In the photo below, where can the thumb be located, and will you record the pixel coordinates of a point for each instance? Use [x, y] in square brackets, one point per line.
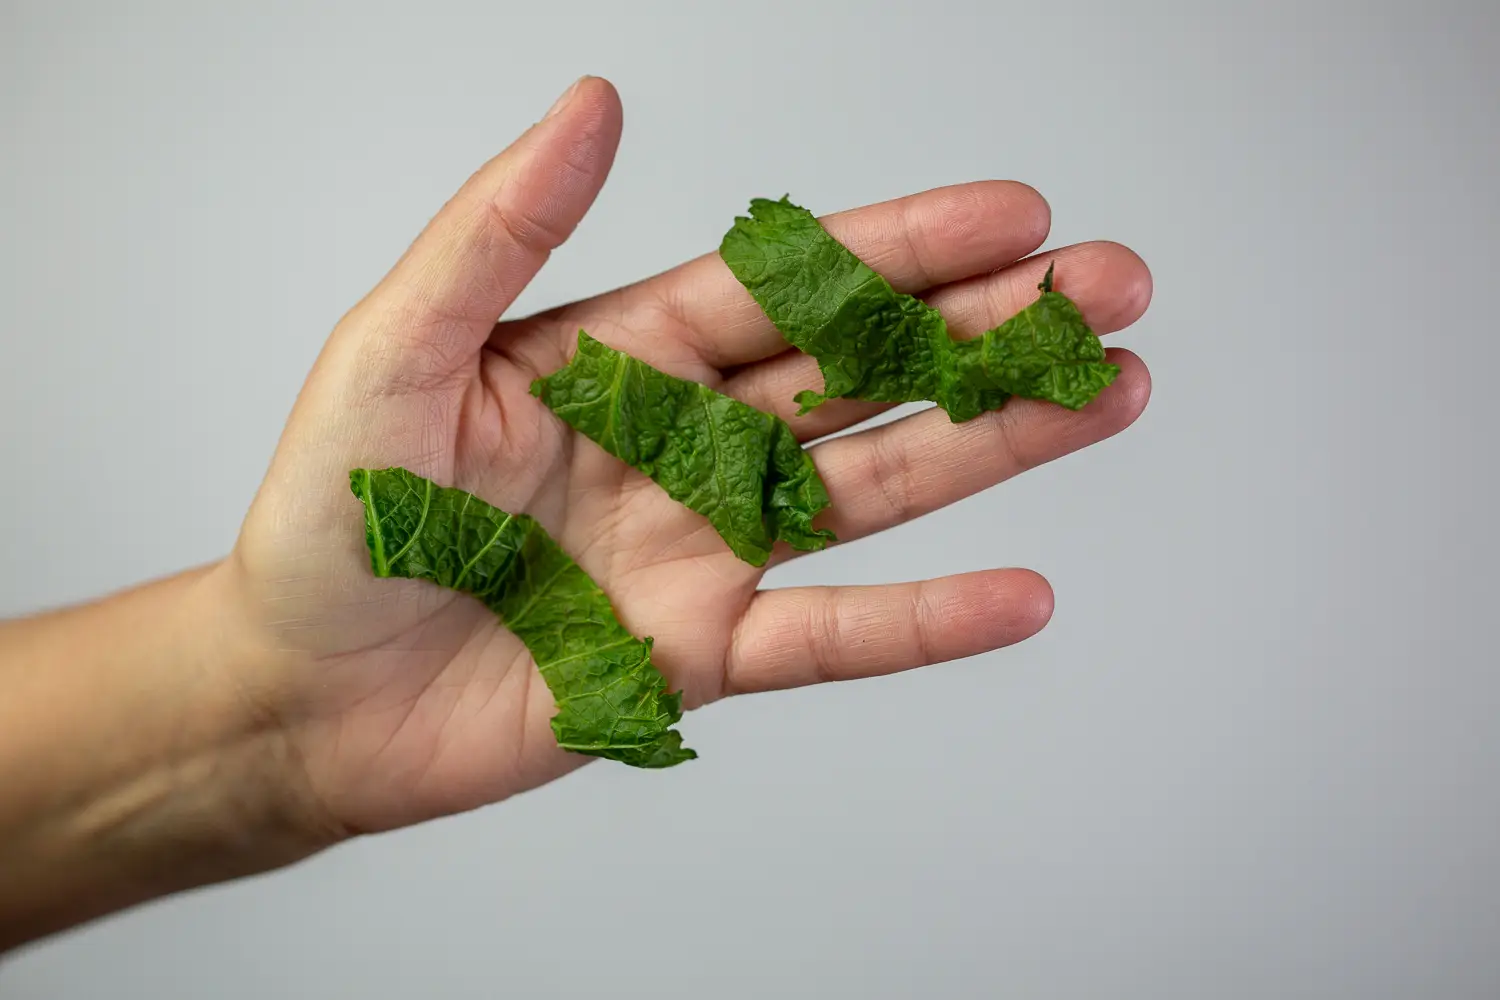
[491, 238]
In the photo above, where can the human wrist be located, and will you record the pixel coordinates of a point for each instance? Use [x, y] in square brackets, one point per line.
[255, 678]
[237, 783]
[142, 764]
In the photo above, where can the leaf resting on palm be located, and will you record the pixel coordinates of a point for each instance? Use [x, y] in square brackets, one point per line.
[611, 701]
[872, 342]
[739, 467]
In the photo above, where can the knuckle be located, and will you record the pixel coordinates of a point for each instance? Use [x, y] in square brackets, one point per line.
[523, 228]
[893, 481]
[825, 637]
[924, 619]
[912, 246]
[1010, 442]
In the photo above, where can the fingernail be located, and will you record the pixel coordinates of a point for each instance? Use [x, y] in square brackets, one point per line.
[562, 101]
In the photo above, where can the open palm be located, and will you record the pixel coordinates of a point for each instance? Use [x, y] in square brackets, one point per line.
[403, 701]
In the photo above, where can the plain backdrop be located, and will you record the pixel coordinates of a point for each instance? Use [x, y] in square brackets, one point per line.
[1254, 755]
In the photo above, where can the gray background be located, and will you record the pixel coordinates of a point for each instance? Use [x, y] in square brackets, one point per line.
[1253, 756]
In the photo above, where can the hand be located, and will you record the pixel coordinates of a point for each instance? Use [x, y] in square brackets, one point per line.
[399, 701]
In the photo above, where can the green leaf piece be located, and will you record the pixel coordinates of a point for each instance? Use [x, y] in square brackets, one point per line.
[872, 342]
[737, 466]
[611, 700]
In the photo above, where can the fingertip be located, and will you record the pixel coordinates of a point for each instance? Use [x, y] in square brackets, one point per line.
[1033, 211]
[1031, 601]
[596, 94]
[1124, 284]
[589, 119]
[1007, 216]
[1006, 605]
[1127, 396]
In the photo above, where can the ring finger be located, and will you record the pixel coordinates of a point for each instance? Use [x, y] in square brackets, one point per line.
[890, 474]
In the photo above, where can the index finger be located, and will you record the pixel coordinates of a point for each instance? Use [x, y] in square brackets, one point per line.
[916, 242]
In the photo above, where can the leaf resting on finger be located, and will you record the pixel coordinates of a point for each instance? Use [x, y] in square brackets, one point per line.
[611, 700]
[872, 342]
[737, 466]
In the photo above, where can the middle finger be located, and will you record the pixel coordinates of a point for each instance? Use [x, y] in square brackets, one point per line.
[1110, 284]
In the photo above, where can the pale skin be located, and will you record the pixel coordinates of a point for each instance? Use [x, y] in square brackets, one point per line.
[250, 713]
